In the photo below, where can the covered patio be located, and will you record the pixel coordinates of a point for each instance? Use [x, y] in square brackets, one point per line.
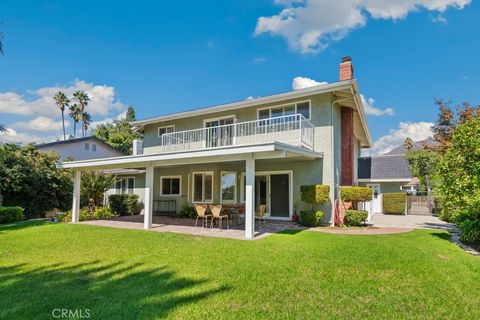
[248, 155]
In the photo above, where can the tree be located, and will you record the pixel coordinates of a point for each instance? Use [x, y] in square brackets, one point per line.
[119, 134]
[408, 144]
[76, 115]
[86, 119]
[2, 128]
[82, 98]
[423, 165]
[62, 101]
[94, 186]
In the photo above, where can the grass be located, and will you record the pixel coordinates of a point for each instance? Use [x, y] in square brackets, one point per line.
[132, 274]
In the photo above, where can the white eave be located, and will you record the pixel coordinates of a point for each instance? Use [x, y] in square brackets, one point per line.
[259, 151]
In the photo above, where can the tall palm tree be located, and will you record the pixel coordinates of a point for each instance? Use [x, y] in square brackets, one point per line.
[62, 101]
[82, 98]
[86, 119]
[76, 115]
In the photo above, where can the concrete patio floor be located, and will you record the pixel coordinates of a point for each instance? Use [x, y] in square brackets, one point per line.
[411, 222]
[187, 226]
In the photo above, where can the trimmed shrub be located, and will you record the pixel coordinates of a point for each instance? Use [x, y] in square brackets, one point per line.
[311, 218]
[394, 203]
[124, 204]
[354, 194]
[186, 212]
[355, 217]
[315, 193]
[10, 214]
[84, 215]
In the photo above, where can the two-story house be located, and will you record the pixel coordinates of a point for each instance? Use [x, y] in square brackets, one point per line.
[257, 151]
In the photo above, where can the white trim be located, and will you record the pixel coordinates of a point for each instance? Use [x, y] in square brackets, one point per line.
[163, 127]
[203, 173]
[235, 187]
[384, 180]
[269, 108]
[171, 177]
[234, 116]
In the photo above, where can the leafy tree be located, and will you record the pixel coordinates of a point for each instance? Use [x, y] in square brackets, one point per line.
[94, 186]
[29, 178]
[408, 144]
[423, 164]
[76, 115]
[62, 101]
[86, 119]
[119, 134]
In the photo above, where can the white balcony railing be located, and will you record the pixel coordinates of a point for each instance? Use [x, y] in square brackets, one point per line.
[293, 129]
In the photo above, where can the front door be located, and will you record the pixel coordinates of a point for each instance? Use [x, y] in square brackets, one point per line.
[376, 201]
[280, 195]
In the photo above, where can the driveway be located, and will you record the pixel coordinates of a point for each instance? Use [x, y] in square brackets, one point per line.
[410, 221]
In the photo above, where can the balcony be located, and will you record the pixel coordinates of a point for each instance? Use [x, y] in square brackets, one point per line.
[295, 130]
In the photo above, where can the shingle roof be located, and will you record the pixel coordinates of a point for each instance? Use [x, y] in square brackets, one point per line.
[384, 167]
[70, 141]
[417, 145]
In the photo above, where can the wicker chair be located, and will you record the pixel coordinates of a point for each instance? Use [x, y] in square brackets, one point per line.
[217, 214]
[201, 214]
[261, 215]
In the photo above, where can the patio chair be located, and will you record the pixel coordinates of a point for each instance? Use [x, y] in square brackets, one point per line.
[217, 214]
[201, 213]
[261, 215]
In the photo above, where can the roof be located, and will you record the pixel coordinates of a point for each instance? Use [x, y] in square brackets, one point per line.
[384, 168]
[350, 86]
[417, 145]
[76, 140]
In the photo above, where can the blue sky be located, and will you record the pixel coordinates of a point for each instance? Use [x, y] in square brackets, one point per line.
[168, 57]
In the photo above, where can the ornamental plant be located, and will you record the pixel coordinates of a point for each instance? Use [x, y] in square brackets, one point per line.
[313, 195]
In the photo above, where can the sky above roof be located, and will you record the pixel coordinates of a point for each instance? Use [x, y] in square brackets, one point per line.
[168, 57]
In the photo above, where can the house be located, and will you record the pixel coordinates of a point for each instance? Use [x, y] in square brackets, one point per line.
[257, 151]
[385, 174]
[81, 148]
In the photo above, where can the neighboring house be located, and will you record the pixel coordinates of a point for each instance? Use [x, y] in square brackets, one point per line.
[257, 151]
[81, 148]
[417, 145]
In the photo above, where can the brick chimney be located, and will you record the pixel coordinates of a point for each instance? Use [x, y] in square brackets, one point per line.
[346, 69]
[347, 134]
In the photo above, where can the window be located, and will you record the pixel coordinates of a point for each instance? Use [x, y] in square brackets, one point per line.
[166, 129]
[228, 193]
[94, 147]
[203, 187]
[302, 108]
[87, 146]
[170, 186]
[125, 185]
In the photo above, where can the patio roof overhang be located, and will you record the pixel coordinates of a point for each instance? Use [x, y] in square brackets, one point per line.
[273, 150]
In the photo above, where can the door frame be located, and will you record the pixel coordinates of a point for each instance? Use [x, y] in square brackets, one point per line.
[379, 198]
[269, 198]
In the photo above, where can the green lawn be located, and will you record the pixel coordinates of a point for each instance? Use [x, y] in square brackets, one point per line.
[130, 274]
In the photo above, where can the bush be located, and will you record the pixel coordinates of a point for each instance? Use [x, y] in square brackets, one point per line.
[394, 203]
[187, 212]
[470, 231]
[84, 215]
[311, 218]
[315, 193]
[355, 217]
[124, 204]
[352, 194]
[102, 213]
[10, 214]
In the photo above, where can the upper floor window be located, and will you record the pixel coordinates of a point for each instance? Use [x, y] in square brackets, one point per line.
[87, 146]
[165, 129]
[302, 108]
[94, 147]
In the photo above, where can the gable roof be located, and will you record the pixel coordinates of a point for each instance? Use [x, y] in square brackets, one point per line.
[76, 140]
[347, 90]
[386, 167]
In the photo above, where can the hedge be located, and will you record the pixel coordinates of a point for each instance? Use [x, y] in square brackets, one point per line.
[99, 213]
[355, 217]
[124, 204]
[394, 203]
[315, 193]
[10, 214]
[362, 194]
[311, 218]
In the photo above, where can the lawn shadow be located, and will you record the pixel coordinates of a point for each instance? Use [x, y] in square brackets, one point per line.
[290, 232]
[442, 235]
[109, 291]
[22, 225]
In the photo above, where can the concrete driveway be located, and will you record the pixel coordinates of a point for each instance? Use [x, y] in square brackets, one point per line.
[410, 221]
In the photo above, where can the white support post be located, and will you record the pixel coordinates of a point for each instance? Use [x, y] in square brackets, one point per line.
[249, 198]
[76, 196]
[147, 222]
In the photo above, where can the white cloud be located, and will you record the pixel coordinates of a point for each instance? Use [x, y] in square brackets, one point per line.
[439, 18]
[13, 136]
[41, 123]
[373, 111]
[417, 131]
[40, 101]
[259, 59]
[309, 26]
[302, 83]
